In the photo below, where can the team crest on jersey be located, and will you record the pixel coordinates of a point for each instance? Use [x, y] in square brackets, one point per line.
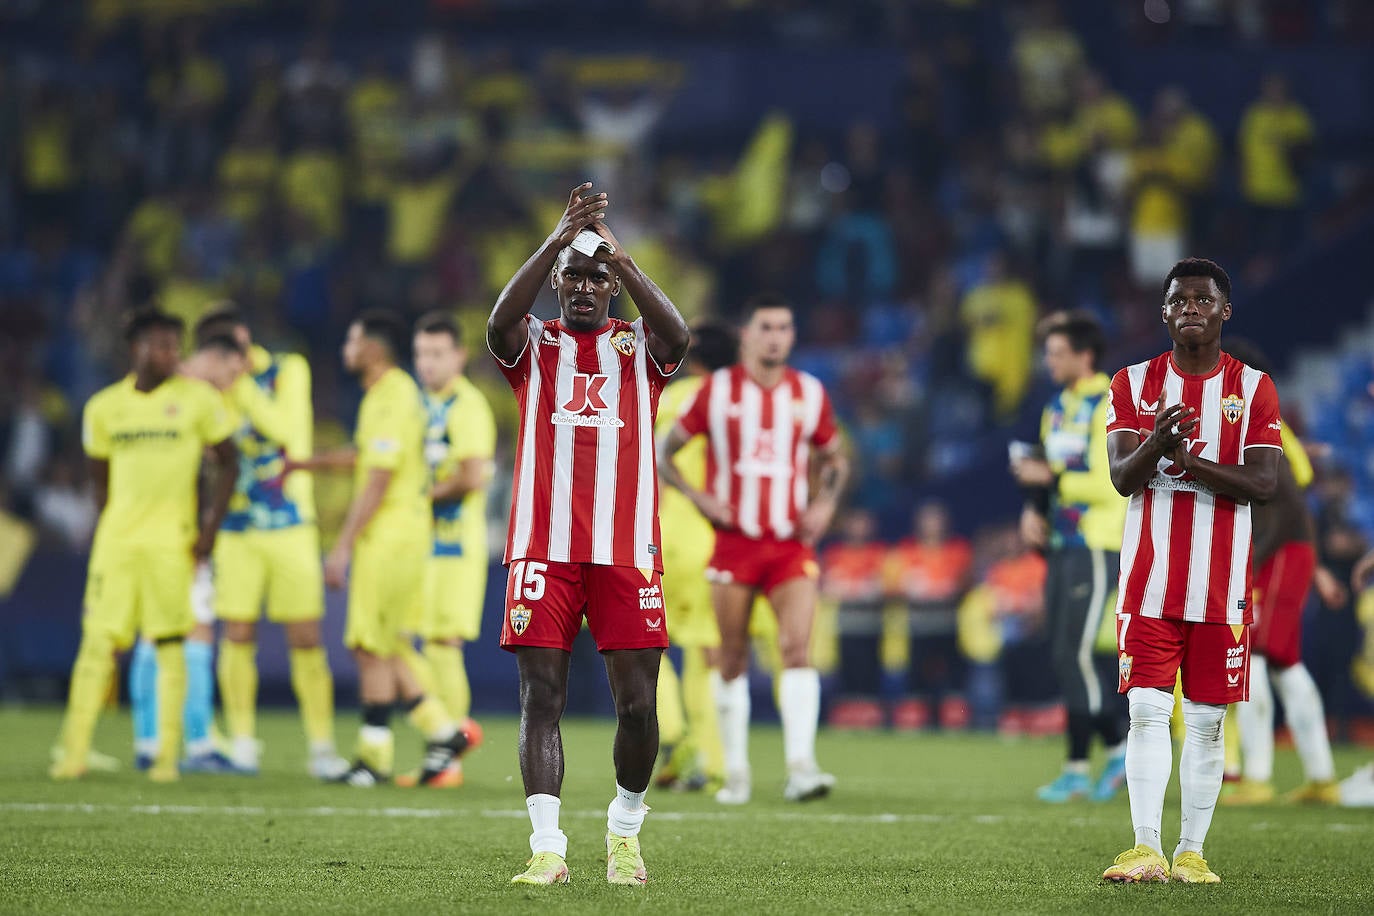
[172, 410]
[520, 619]
[1124, 667]
[1232, 406]
[624, 341]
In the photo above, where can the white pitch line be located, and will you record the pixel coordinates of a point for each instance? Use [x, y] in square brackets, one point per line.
[514, 813]
[429, 813]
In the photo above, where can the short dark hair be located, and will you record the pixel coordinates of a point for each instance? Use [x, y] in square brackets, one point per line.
[144, 320]
[1248, 352]
[1083, 332]
[714, 344]
[222, 341]
[223, 319]
[1200, 267]
[765, 300]
[438, 322]
[387, 327]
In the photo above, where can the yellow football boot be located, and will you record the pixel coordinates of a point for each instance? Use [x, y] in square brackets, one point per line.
[1138, 865]
[1191, 868]
[544, 868]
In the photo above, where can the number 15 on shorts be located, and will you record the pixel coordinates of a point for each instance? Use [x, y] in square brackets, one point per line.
[527, 580]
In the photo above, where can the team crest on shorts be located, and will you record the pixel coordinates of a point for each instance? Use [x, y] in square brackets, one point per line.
[624, 341]
[1124, 667]
[520, 619]
[1232, 406]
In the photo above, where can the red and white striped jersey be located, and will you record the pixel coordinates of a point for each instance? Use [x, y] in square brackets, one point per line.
[1186, 550]
[586, 482]
[759, 443]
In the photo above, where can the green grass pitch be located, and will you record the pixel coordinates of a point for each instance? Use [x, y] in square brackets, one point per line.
[918, 823]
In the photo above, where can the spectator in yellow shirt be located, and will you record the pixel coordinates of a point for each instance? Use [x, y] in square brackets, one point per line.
[999, 316]
[1274, 133]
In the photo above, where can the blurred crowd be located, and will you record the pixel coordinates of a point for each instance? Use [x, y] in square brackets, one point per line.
[275, 154]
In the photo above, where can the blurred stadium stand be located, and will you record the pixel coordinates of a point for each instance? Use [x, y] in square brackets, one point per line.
[924, 179]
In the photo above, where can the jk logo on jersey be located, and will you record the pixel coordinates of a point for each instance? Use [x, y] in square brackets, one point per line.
[1194, 447]
[586, 393]
[1232, 407]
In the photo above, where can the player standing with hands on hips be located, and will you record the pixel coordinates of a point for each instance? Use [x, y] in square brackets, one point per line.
[1193, 437]
[584, 534]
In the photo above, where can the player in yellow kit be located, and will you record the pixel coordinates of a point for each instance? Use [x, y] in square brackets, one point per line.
[145, 436]
[692, 753]
[460, 443]
[382, 550]
[268, 552]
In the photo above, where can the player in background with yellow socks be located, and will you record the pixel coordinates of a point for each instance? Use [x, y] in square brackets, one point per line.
[691, 753]
[219, 359]
[382, 550]
[268, 552]
[460, 444]
[145, 436]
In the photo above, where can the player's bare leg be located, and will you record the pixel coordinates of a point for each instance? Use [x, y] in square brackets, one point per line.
[799, 689]
[313, 684]
[633, 674]
[730, 683]
[543, 697]
[445, 738]
[376, 743]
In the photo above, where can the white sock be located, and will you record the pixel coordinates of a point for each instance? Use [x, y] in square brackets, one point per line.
[1076, 767]
[626, 814]
[200, 747]
[1149, 761]
[799, 696]
[1256, 720]
[146, 746]
[546, 837]
[323, 749]
[1199, 771]
[732, 707]
[1302, 706]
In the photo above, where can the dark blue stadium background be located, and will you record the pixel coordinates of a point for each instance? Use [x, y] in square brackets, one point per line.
[936, 81]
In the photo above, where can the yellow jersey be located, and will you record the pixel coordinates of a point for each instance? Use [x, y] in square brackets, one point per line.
[275, 422]
[678, 518]
[1085, 507]
[153, 441]
[1266, 134]
[391, 436]
[1298, 460]
[459, 426]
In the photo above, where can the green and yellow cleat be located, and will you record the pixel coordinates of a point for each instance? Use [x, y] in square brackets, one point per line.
[1325, 792]
[1191, 868]
[544, 868]
[1247, 792]
[1138, 865]
[624, 864]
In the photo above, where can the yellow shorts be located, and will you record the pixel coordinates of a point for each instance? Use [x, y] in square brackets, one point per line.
[455, 589]
[280, 569]
[132, 590]
[386, 592]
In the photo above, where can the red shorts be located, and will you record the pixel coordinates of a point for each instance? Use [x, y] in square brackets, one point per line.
[760, 563]
[545, 603]
[1214, 657]
[1281, 588]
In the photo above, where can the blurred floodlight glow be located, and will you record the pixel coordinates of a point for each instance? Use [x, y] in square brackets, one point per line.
[1157, 11]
